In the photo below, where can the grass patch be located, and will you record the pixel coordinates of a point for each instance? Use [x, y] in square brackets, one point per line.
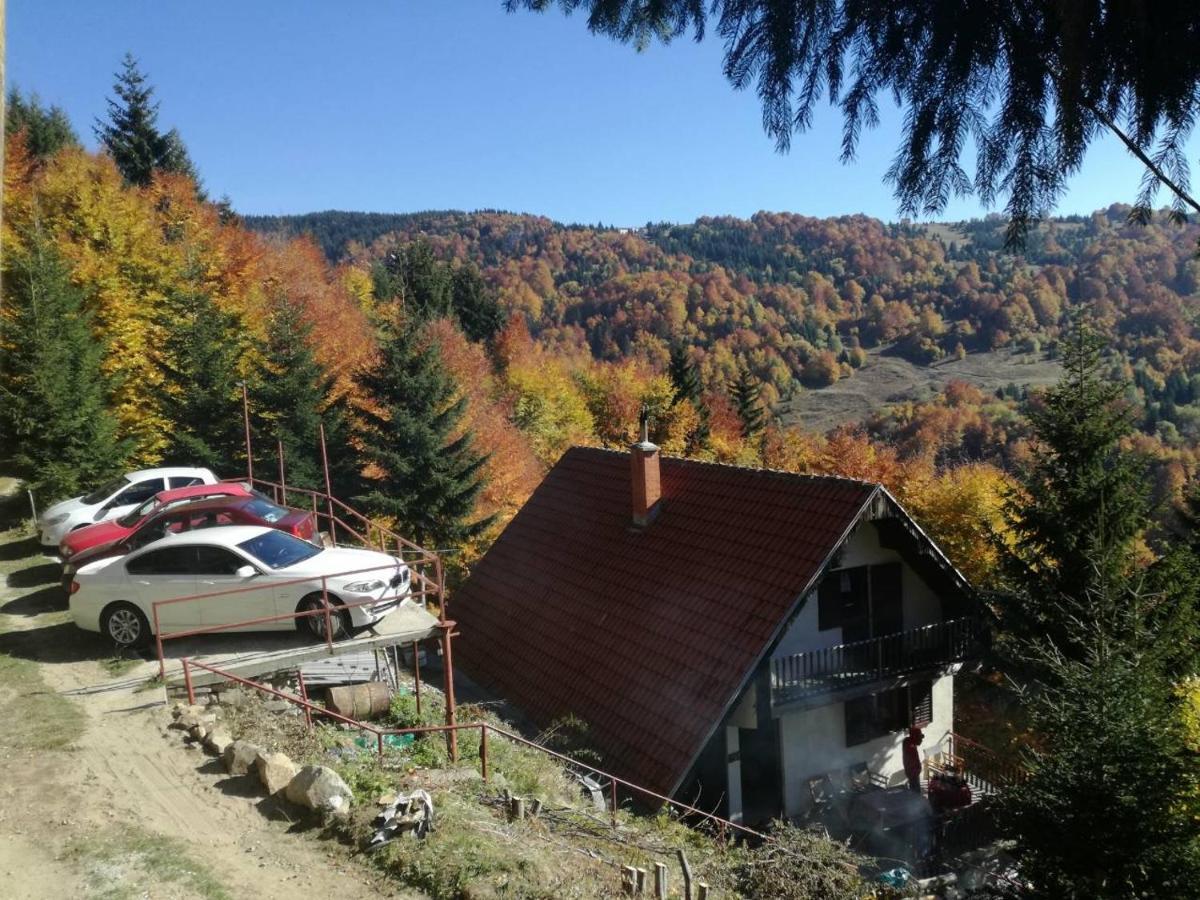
[129, 862]
[35, 717]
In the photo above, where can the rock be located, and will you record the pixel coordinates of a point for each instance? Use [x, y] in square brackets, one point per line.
[320, 788]
[234, 697]
[275, 770]
[240, 756]
[217, 740]
[278, 706]
[182, 709]
[186, 720]
[198, 732]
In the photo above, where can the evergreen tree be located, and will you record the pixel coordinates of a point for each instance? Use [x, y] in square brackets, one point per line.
[431, 288]
[46, 130]
[1079, 508]
[747, 399]
[55, 427]
[684, 375]
[685, 378]
[131, 134]
[202, 350]
[429, 478]
[289, 402]
[1108, 809]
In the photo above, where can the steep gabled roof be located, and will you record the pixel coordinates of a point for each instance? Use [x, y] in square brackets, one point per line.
[649, 635]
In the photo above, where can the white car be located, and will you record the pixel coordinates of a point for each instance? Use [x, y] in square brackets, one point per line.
[114, 499]
[116, 596]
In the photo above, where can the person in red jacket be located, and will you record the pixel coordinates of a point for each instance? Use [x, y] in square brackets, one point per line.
[912, 758]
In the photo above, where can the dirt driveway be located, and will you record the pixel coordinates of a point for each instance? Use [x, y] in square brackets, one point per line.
[98, 800]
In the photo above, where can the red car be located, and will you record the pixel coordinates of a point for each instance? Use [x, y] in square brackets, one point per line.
[250, 509]
[103, 534]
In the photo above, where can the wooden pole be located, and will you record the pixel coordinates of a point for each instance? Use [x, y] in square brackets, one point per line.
[687, 874]
[660, 881]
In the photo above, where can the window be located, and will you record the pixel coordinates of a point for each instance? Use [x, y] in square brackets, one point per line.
[137, 493]
[150, 532]
[864, 601]
[217, 561]
[167, 561]
[262, 509]
[209, 519]
[184, 481]
[888, 712]
[278, 550]
[105, 491]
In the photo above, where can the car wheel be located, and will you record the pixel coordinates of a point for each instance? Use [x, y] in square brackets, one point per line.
[125, 625]
[315, 625]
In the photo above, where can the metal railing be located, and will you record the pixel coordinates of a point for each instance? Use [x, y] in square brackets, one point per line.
[327, 610]
[815, 672]
[485, 729]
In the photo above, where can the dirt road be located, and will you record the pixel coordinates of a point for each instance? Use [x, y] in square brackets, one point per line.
[97, 799]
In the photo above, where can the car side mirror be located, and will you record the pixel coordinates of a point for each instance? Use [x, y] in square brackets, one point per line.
[246, 572]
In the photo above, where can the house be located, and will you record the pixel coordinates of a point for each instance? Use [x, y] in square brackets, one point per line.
[726, 633]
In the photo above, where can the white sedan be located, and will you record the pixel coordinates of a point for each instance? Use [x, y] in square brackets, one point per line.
[115, 498]
[281, 575]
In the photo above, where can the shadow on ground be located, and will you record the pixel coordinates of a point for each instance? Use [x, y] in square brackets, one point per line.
[33, 576]
[61, 643]
[19, 549]
[46, 600]
[14, 509]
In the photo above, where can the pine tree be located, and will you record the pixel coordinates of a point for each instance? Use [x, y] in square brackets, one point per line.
[46, 130]
[430, 288]
[747, 398]
[131, 134]
[1080, 506]
[202, 350]
[289, 402]
[55, 426]
[685, 378]
[430, 478]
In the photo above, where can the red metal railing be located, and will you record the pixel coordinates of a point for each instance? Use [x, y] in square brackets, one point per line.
[328, 610]
[484, 730]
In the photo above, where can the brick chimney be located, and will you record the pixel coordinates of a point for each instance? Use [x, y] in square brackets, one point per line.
[647, 490]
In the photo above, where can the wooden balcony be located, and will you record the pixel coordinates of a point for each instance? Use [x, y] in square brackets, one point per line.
[803, 676]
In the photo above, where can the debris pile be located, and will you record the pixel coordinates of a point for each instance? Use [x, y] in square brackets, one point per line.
[410, 814]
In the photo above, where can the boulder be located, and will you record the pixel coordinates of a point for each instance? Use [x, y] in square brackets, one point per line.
[321, 789]
[198, 732]
[275, 770]
[240, 756]
[217, 740]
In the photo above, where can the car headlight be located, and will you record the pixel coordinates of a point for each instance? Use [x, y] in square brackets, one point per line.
[57, 520]
[364, 587]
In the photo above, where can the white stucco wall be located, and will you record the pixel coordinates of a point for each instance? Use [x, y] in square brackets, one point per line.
[813, 742]
[921, 604]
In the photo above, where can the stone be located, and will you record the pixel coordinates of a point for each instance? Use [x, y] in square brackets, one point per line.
[186, 721]
[240, 756]
[278, 706]
[217, 740]
[275, 771]
[198, 732]
[320, 788]
[182, 709]
[234, 697]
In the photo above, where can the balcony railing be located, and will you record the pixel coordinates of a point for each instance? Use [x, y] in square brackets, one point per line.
[804, 675]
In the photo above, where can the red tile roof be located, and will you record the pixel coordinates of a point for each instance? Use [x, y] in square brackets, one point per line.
[647, 636]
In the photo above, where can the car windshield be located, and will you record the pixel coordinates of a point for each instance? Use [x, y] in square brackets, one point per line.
[278, 550]
[101, 494]
[265, 510]
[132, 518]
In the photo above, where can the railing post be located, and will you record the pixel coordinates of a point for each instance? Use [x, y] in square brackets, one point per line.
[612, 783]
[417, 675]
[282, 480]
[483, 759]
[187, 682]
[326, 613]
[246, 419]
[448, 673]
[304, 697]
[328, 485]
[162, 663]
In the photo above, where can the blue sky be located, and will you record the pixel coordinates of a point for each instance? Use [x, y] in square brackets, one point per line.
[435, 104]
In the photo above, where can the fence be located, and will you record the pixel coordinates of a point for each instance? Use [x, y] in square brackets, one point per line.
[485, 729]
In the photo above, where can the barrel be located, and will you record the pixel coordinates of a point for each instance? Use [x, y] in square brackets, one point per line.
[359, 701]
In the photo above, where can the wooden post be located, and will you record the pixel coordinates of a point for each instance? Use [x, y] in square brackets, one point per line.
[702, 891]
[535, 808]
[516, 809]
[660, 881]
[628, 880]
[687, 874]
[641, 881]
[417, 675]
